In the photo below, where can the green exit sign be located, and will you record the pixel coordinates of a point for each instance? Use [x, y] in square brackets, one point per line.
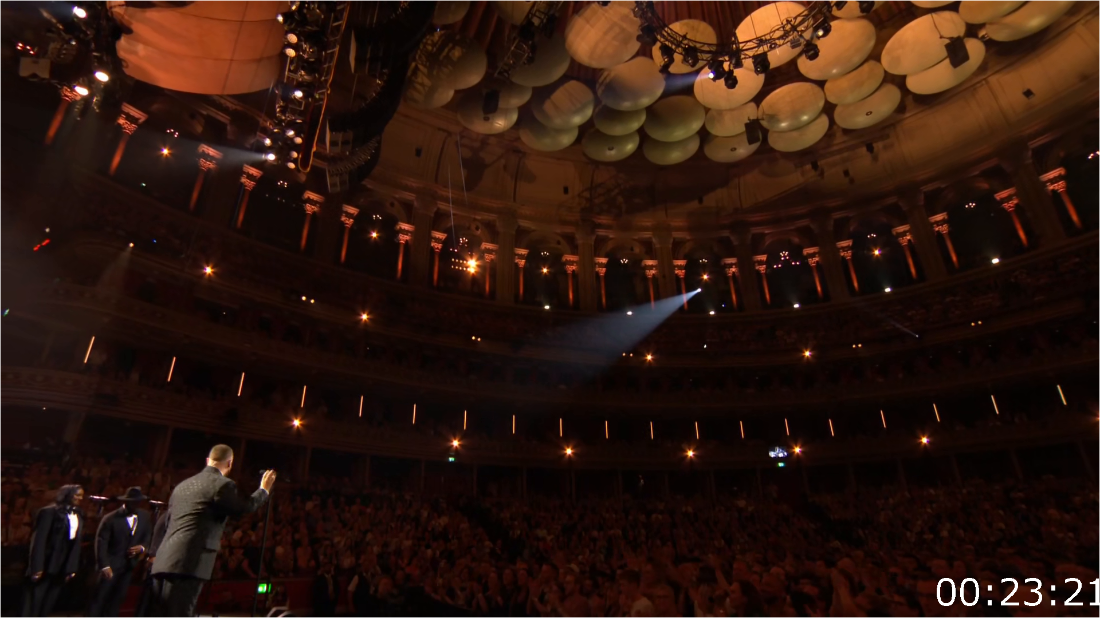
[263, 588]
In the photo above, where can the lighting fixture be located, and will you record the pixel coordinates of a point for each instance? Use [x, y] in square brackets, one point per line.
[807, 353]
[630, 313]
[81, 90]
[924, 439]
[297, 423]
[712, 311]
[298, 94]
[796, 305]
[647, 36]
[667, 57]
[270, 156]
[165, 151]
[690, 454]
[267, 141]
[208, 270]
[290, 53]
[735, 60]
[648, 357]
[878, 251]
[364, 317]
[691, 56]
[546, 307]
[79, 12]
[293, 154]
[290, 132]
[811, 51]
[823, 28]
[730, 80]
[291, 165]
[887, 290]
[292, 38]
[102, 76]
[568, 451]
[297, 140]
[798, 450]
[996, 260]
[716, 68]
[454, 443]
[760, 63]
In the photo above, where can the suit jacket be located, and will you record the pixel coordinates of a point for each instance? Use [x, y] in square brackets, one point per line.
[197, 511]
[113, 539]
[52, 552]
[159, 529]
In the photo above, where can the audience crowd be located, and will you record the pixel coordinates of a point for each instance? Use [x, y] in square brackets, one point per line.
[868, 553]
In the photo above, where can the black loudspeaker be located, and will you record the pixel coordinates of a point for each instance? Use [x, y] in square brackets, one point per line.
[956, 52]
[491, 103]
[752, 131]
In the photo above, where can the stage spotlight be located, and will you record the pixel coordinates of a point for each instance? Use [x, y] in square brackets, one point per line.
[290, 132]
[291, 165]
[630, 313]
[568, 451]
[796, 305]
[79, 12]
[736, 62]
[546, 307]
[102, 76]
[995, 261]
[165, 151]
[455, 443]
[649, 358]
[270, 156]
[712, 311]
[290, 52]
[298, 94]
[798, 450]
[293, 154]
[297, 423]
[691, 56]
[924, 440]
[887, 290]
[81, 90]
[866, 7]
[690, 454]
[807, 353]
[292, 38]
[297, 140]
[267, 141]
[208, 270]
[363, 317]
[668, 55]
[730, 81]
[823, 29]
[716, 68]
[374, 234]
[811, 51]
[760, 63]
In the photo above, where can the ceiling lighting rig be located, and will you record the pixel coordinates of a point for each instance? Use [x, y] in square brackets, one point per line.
[313, 32]
[541, 19]
[76, 52]
[721, 59]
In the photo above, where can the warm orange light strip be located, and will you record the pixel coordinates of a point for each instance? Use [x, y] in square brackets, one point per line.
[742, 429]
[1061, 394]
[831, 432]
[89, 352]
[360, 406]
[788, 426]
[513, 424]
[303, 396]
[240, 386]
[883, 416]
[464, 420]
[171, 368]
[650, 430]
[995, 405]
[414, 414]
[696, 430]
[606, 434]
[937, 411]
[561, 428]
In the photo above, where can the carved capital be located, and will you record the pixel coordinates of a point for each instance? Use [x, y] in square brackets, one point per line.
[404, 232]
[650, 267]
[570, 262]
[208, 158]
[845, 249]
[680, 266]
[521, 257]
[249, 177]
[939, 223]
[1008, 199]
[601, 262]
[811, 254]
[130, 118]
[730, 264]
[760, 263]
[437, 241]
[347, 215]
[1055, 179]
[901, 232]
[601, 271]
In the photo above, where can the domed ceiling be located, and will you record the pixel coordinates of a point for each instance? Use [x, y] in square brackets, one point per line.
[595, 83]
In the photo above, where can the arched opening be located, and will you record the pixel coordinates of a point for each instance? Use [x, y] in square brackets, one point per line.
[790, 279]
[373, 244]
[877, 256]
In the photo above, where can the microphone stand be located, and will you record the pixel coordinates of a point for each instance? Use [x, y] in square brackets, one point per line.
[260, 568]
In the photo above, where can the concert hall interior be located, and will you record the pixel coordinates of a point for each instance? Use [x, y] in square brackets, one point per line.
[679, 308]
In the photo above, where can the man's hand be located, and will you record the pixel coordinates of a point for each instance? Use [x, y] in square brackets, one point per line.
[37, 576]
[136, 550]
[107, 573]
[268, 481]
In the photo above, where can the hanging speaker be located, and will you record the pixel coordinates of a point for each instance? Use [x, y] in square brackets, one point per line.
[957, 54]
[752, 131]
[491, 103]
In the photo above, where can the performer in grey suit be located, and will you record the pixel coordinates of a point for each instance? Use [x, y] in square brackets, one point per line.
[197, 512]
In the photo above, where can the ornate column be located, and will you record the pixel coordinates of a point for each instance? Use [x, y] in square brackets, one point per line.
[822, 223]
[130, 119]
[347, 217]
[208, 161]
[939, 223]
[844, 247]
[570, 262]
[901, 233]
[681, 272]
[488, 254]
[424, 207]
[662, 247]
[760, 263]
[1056, 182]
[813, 259]
[1009, 202]
[312, 204]
[589, 267]
[437, 246]
[650, 267]
[68, 95]
[249, 177]
[750, 290]
[601, 270]
[730, 264]
[924, 237]
[404, 235]
[506, 271]
[521, 261]
[1034, 195]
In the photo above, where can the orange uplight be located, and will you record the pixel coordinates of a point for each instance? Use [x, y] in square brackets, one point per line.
[374, 234]
[648, 357]
[364, 317]
[455, 443]
[807, 353]
[569, 451]
[878, 251]
[209, 270]
[165, 151]
[297, 423]
[706, 277]
[924, 439]
[545, 270]
[690, 454]
[798, 450]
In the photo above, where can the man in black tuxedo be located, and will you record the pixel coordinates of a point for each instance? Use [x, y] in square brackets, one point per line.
[55, 550]
[122, 539]
[197, 512]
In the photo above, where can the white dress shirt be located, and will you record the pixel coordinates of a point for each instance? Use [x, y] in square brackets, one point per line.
[74, 524]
